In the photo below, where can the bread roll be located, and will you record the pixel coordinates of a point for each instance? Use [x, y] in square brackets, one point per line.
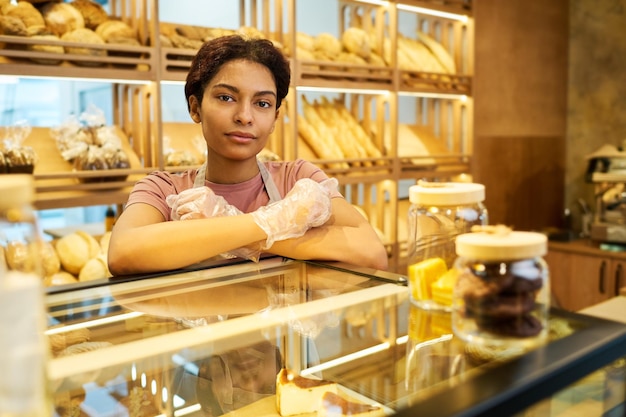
[49, 258]
[115, 29]
[27, 13]
[12, 26]
[305, 41]
[60, 278]
[62, 18]
[95, 268]
[328, 45]
[75, 250]
[46, 47]
[104, 243]
[93, 13]
[88, 36]
[18, 257]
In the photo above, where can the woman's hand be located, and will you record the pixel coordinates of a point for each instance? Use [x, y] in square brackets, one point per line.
[306, 205]
[199, 203]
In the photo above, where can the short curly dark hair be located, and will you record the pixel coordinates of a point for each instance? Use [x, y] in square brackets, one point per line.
[216, 52]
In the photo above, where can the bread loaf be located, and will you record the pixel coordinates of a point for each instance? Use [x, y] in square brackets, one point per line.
[439, 52]
[357, 41]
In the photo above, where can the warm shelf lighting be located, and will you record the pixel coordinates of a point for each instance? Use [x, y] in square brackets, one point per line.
[419, 10]
[352, 356]
[93, 323]
[436, 13]
[343, 90]
[461, 97]
[95, 80]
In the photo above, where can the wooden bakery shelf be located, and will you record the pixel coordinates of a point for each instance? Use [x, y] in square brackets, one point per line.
[434, 166]
[131, 63]
[175, 63]
[428, 82]
[59, 185]
[342, 75]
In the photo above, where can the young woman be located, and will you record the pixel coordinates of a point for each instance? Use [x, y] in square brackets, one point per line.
[234, 89]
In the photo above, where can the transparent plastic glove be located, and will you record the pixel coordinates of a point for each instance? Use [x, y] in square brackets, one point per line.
[199, 203]
[306, 205]
[202, 203]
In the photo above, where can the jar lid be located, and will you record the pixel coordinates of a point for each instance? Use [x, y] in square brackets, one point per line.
[495, 246]
[446, 193]
[16, 190]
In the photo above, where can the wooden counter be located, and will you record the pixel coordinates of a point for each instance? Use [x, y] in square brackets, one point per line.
[584, 274]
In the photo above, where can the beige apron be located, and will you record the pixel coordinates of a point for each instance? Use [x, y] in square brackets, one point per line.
[268, 182]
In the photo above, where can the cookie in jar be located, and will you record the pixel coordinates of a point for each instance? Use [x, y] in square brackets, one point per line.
[502, 293]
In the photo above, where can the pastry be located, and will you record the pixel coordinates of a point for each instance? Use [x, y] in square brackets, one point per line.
[296, 394]
[45, 46]
[12, 26]
[93, 13]
[20, 160]
[423, 274]
[114, 30]
[95, 268]
[501, 301]
[60, 341]
[3, 163]
[357, 41]
[334, 405]
[443, 288]
[75, 250]
[86, 36]
[49, 258]
[327, 45]
[62, 18]
[60, 278]
[27, 13]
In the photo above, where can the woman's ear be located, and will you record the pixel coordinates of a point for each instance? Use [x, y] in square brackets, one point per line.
[194, 109]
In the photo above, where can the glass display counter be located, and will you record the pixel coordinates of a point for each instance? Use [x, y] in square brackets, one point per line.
[210, 341]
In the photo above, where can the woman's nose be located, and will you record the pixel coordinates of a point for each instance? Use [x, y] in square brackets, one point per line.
[244, 114]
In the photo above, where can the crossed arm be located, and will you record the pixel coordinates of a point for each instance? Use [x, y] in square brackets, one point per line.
[143, 242]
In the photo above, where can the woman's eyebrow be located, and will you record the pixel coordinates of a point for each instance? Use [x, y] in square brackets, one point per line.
[236, 90]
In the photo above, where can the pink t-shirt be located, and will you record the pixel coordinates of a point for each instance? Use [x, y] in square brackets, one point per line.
[246, 196]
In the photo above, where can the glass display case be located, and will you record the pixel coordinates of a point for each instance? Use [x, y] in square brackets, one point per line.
[210, 341]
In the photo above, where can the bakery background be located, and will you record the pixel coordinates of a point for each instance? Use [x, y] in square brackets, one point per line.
[531, 126]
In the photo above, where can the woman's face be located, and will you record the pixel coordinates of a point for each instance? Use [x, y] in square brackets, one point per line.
[238, 110]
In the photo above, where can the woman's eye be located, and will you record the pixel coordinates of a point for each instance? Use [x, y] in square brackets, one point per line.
[224, 97]
[265, 104]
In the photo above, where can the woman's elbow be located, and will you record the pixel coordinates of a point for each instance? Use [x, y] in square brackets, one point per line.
[378, 259]
[119, 261]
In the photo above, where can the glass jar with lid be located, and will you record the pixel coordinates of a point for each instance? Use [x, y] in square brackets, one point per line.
[24, 349]
[438, 213]
[502, 292]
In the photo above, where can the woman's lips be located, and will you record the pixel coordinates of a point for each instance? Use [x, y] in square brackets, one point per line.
[241, 137]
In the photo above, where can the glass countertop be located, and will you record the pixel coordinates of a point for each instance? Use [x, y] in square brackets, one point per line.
[210, 341]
